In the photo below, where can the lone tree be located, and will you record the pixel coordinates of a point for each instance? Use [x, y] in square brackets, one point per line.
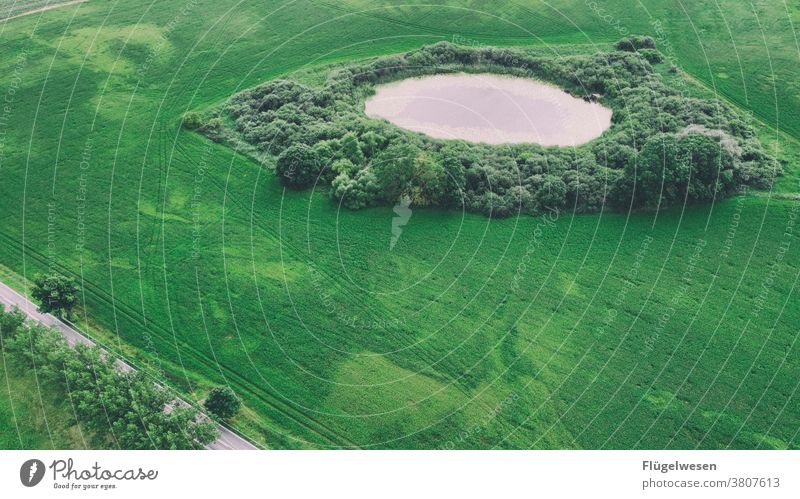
[55, 293]
[222, 402]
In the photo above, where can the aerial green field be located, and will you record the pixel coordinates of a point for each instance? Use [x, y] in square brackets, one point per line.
[32, 418]
[670, 329]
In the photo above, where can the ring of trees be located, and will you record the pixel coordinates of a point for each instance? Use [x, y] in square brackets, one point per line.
[662, 149]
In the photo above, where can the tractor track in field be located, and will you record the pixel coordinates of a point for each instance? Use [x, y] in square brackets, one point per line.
[202, 62]
[327, 433]
[349, 293]
[389, 20]
[445, 33]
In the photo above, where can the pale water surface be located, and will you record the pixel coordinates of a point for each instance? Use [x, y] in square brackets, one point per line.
[489, 108]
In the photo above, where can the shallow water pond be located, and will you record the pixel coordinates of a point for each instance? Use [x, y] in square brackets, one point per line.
[489, 108]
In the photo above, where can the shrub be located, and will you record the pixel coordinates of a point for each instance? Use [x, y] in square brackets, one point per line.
[350, 149]
[552, 195]
[394, 170]
[452, 162]
[356, 193]
[298, 166]
[192, 120]
[428, 183]
[10, 322]
[633, 43]
[676, 169]
[344, 166]
[653, 56]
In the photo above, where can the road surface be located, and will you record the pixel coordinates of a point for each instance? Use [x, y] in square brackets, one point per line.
[228, 440]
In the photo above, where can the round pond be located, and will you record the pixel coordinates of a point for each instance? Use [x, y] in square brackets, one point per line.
[489, 108]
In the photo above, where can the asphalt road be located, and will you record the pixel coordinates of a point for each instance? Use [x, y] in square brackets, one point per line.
[228, 440]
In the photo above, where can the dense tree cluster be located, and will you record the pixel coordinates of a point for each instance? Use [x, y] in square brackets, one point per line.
[124, 409]
[633, 43]
[663, 148]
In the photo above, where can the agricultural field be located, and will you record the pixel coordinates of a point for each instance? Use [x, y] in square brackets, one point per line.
[648, 329]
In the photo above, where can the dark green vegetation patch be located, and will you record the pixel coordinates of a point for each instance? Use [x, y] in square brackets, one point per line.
[663, 148]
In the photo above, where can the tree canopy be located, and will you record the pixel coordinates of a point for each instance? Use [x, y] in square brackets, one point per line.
[55, 293]
[298, 166]
[222, 402]
[126, 410]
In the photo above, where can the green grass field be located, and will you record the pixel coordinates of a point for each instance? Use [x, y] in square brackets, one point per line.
[668, 330]
[32, 418]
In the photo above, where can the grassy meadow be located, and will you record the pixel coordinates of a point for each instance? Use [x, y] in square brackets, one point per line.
[675, 329]
[34, 418]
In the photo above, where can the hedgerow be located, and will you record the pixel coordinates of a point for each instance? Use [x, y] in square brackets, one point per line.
[662, 149]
